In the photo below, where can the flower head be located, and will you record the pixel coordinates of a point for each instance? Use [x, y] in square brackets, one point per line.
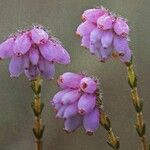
[76, 102]
[105, 34]
[33, 52]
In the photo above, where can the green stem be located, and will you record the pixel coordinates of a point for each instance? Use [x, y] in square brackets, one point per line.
[138, 104]
[112, 139]
[37, 107]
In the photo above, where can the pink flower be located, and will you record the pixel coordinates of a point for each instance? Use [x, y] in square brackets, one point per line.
[93, 14]
[6, 48]
[39, 36]
[121, 27]
[105, 34]
[91, 121]
[88, 85]
[86, 103]
[85, 28]
[76, 103]
[70, 80]
[105, 21]
[33, 52]
[22, 44]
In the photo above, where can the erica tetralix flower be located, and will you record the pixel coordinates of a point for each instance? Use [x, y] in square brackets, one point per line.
[76, 102]
[105, 34]
[33, 51]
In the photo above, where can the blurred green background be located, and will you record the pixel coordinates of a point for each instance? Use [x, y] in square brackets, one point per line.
[62, 17]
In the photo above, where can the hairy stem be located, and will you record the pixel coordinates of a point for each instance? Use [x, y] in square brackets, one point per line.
[112, 139]
[37, 107]
[138, 104]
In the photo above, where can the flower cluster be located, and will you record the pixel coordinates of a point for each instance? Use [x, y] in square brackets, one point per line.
[76, 103]
[105, 34]
[33, 52]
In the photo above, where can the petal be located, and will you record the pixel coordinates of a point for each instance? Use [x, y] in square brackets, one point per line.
[22, 44]
[107, 39]
[71, 124]
[6, 48]
[39, 36]
[70, 97]
[86, 103]
[16, 66]
[91, 121]
[34, 56]
[88, 85]
[85, 28]
[70, 80]
[71, 110]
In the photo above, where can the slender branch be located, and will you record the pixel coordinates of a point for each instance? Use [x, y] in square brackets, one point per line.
[112, 139]
[138, 104]
[37, 107]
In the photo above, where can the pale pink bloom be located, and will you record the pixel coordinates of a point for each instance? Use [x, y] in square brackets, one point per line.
[76, 103]
[33, 52]
[104, 34]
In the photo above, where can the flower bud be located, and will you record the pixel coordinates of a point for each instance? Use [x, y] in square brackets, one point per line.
[105, 22]
[93, 14]
[70, 80]
[121, 27]
[85, 28]
[88, 85]
[71, 110]
[6, 48]
[22, 44]
[107, 39]
[16, 66]
[70, 97]
[86, 103]
[39, 36]
[71, 124]
[91, 121]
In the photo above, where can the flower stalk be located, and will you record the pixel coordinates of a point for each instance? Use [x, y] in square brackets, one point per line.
[112, 139]
[138, 104]
[37, 107]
